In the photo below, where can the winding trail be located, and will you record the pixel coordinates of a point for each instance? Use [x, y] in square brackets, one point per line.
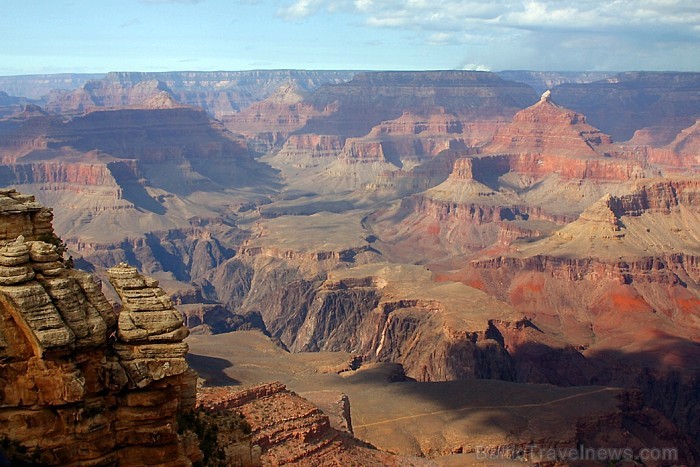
[485, 407]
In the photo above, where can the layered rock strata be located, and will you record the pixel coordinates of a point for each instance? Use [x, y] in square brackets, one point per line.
[288, 429]
[80, 387]
[630, 101]
[148, 326]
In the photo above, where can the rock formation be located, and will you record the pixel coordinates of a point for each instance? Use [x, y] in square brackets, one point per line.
[219, 93]
[550, 130]
[37, 86]
[124, 163]
[288, 429]
[268, 123]
[371, 98]
[620, 286]
[79, 386]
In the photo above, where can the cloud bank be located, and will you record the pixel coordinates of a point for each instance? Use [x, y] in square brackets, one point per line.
[574, 33]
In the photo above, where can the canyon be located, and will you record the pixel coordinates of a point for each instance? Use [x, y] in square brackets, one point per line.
[425, 236]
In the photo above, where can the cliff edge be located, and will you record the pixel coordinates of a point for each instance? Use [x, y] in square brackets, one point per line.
[80, 385]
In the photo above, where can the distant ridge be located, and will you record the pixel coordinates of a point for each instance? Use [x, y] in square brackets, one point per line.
[37, 86]
[543, 80]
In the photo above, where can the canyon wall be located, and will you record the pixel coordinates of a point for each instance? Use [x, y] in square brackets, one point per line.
[219, 93]
[621, 104]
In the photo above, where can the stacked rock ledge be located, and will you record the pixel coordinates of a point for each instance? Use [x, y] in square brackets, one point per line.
[69, 393]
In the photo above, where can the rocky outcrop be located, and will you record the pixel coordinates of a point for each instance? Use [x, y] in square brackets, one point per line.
[413, 137]
[103, 93]
[549, 129]
[79, 386]
[22, 215]
[148, 326]
[546, 138]
[437, 122]
[619, 285]
[356, 150]
[313, 146]
[288, 429]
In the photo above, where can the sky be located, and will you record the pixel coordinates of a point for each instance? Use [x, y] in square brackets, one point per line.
[96, 36]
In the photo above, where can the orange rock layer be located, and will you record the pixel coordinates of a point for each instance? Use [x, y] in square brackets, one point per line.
[72, 392]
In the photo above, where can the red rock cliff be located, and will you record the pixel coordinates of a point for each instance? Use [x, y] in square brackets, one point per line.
[70, 393]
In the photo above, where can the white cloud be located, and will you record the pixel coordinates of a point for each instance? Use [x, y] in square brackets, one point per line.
[535, 30]
[440, 38]
[457, 14]
[363, 5]
[301, 9]
[475, 67]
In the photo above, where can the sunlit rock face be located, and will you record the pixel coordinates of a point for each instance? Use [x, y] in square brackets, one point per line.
[78, 384]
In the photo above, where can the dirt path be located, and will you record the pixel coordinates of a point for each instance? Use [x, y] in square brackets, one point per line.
[485, 407]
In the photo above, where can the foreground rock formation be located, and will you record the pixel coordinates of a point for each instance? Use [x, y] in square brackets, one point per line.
[79, 386]
[288, 429]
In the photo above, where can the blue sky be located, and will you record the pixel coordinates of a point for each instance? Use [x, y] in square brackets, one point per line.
[52, 36]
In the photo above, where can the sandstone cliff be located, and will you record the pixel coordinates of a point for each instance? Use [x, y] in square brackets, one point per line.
[126, 165]
[536, 173]
[81, 386]
[288, 429]
[268, 123]
[620, 285]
